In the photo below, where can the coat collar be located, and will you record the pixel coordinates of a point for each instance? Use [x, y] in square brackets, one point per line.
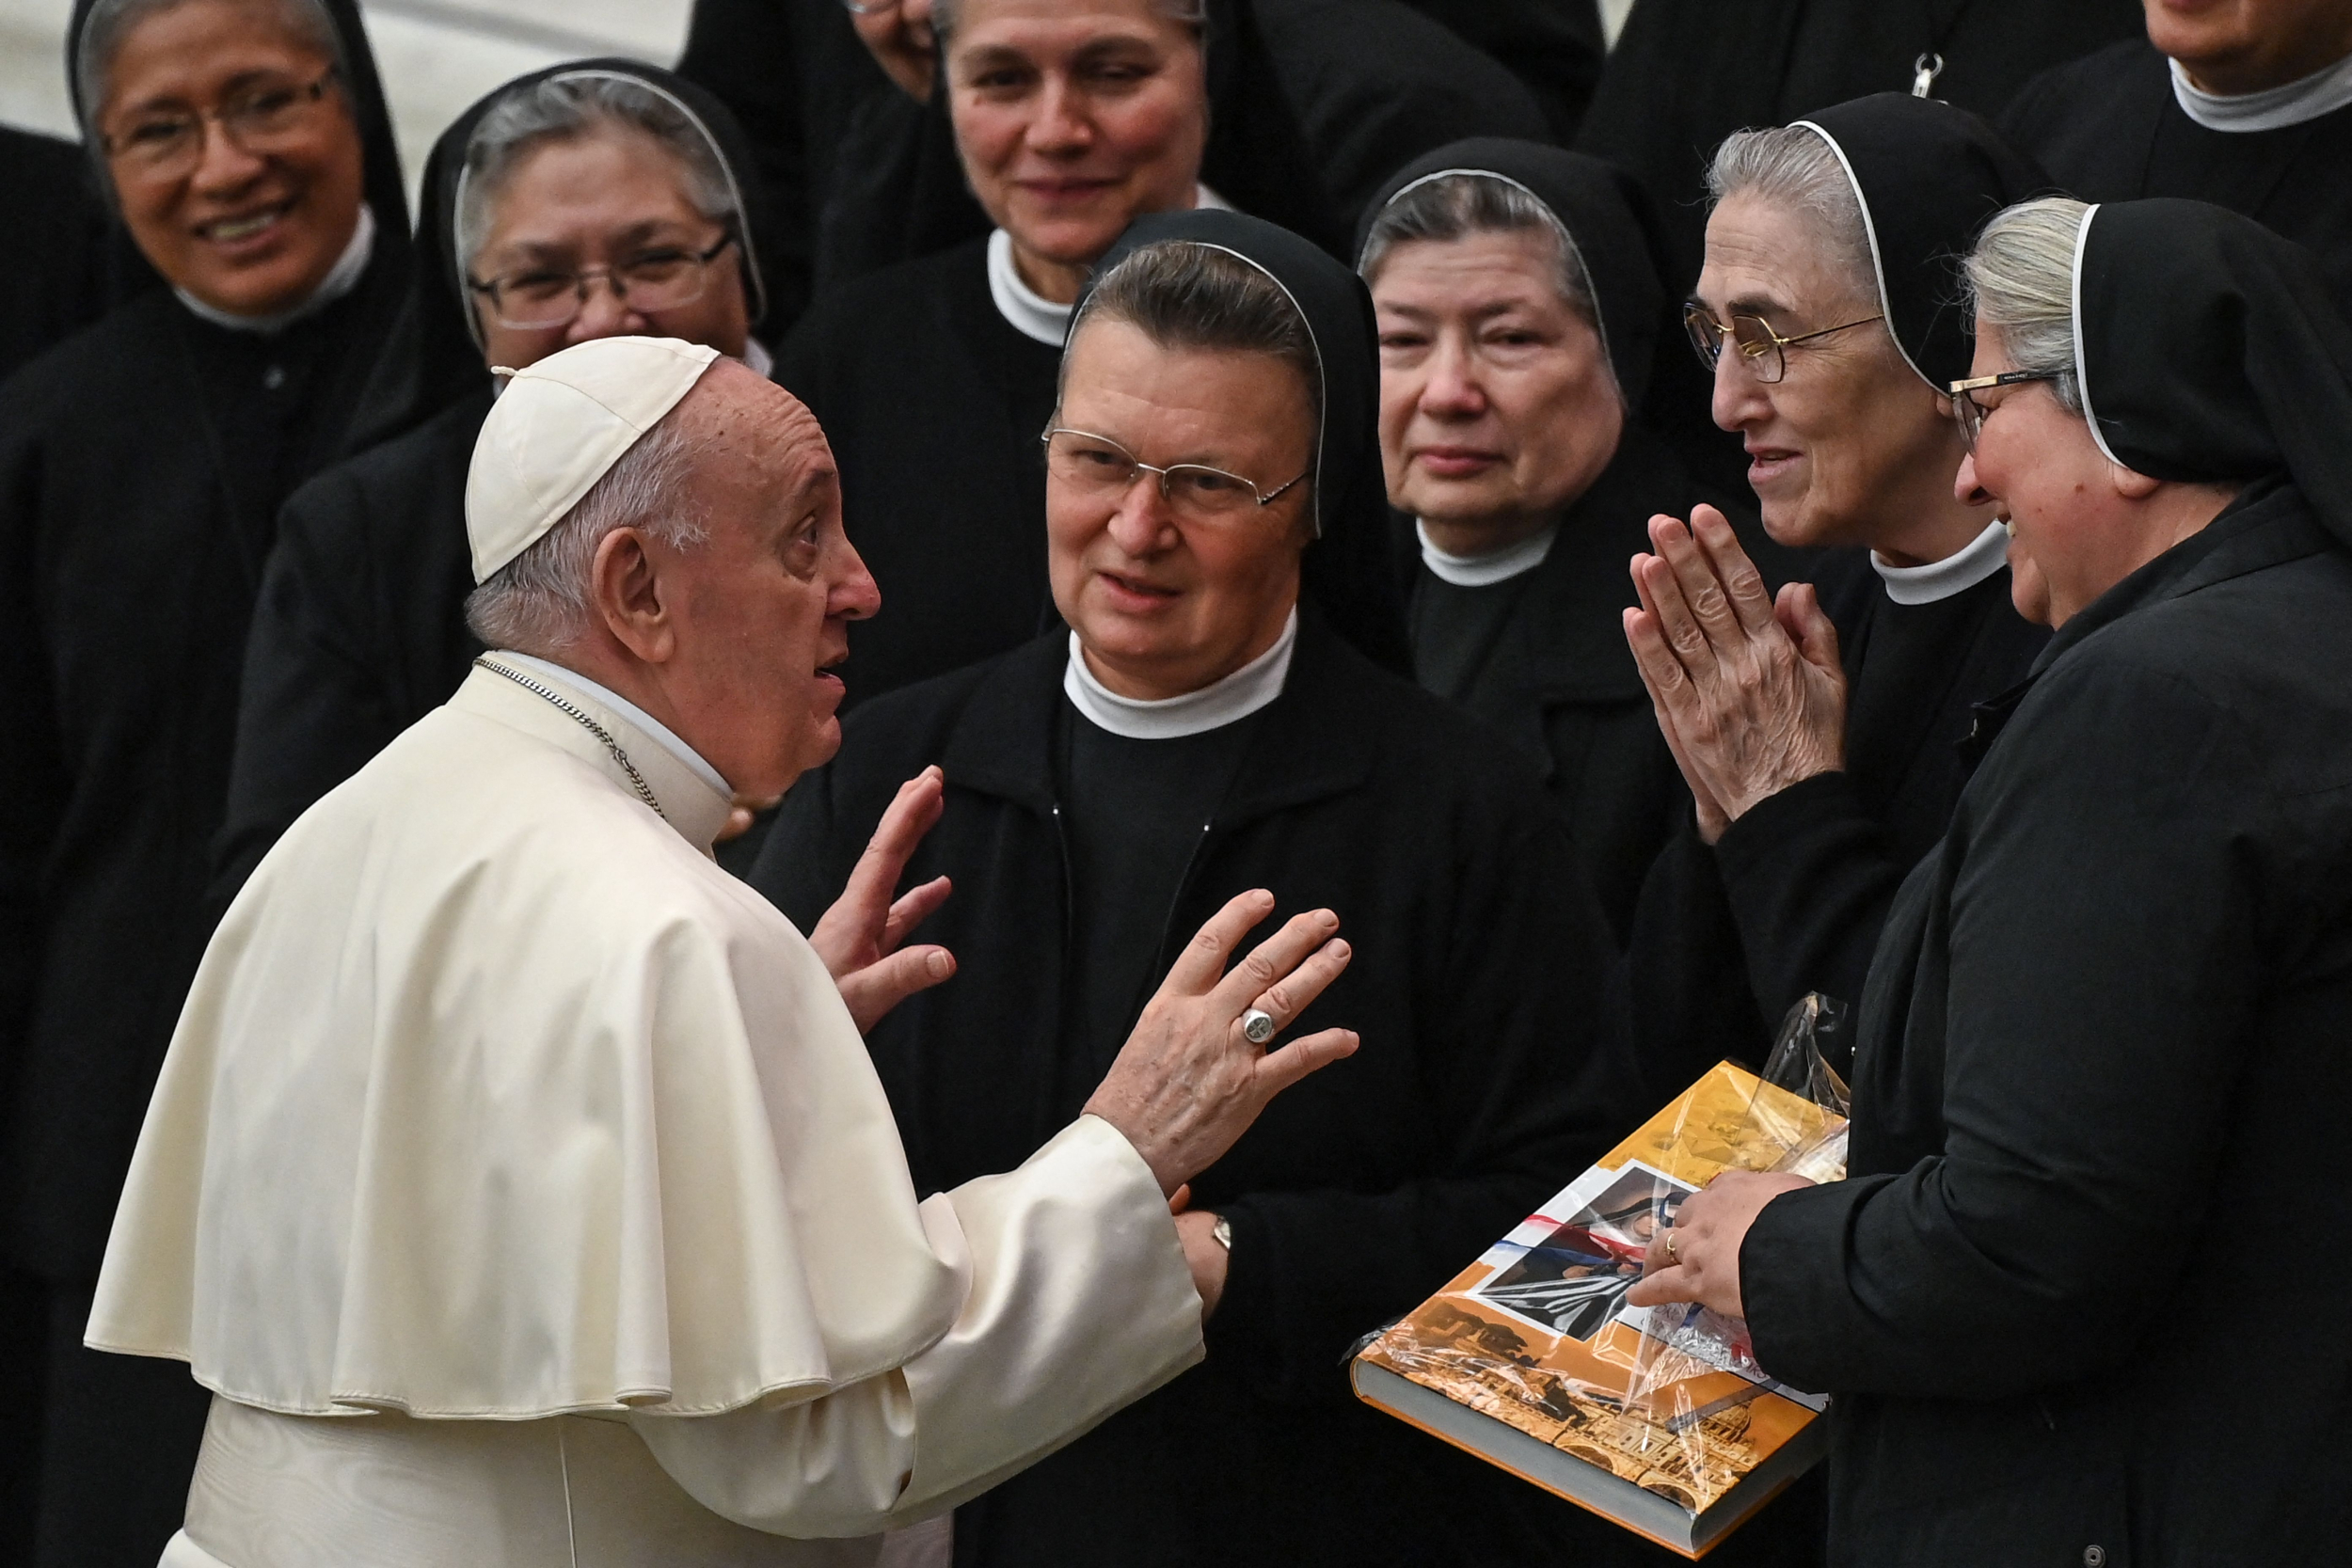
[2271, 523]
[1317, 739]
[687, 802]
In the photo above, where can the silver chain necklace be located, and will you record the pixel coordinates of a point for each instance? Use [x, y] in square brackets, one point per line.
[593, 728]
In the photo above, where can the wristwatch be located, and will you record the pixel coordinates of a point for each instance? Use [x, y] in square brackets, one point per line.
[1223, 1231]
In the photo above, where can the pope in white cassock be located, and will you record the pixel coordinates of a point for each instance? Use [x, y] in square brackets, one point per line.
[516, 1178]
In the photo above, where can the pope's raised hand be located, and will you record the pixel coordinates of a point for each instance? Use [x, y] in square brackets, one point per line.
[1189, 1082]
[859, 936]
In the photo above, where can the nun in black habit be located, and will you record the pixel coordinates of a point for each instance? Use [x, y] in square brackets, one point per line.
[1815, 796]
[1103, 782]
[2108, 1020]
[1313, 102]
[1687, 73]
[1516, 291]
[142, 461]
[2129, 121]
[360, 629]
[934, 378]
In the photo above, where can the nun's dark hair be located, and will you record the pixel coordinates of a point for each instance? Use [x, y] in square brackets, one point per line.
[1795, 166]
[1455, 206]
[565, 107]
[110, 22]
[2021, 284]
[948, 14]
[1183, 294]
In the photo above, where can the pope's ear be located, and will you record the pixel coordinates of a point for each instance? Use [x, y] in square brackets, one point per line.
[625, 591]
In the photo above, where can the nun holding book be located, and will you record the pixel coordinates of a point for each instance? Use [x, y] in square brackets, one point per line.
[2107, 1017]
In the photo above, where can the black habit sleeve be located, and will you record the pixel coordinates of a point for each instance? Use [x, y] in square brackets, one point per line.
[2109, 942]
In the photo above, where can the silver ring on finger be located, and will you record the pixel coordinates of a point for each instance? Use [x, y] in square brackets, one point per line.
[1257, 1026]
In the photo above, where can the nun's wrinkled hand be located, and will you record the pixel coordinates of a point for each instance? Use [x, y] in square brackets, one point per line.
[1749, 692]
[859, 936]
[1697, 1258]
[1193, 1076]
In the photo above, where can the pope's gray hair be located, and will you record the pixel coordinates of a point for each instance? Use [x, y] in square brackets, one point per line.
[1455, 206]
[1794, 167]
[539, 603]
[2021, 285]
[110, 22]
[946, 14]
[565, 109]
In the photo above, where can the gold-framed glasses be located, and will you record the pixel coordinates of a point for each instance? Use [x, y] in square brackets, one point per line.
[259, 119]
[1764, 351]
[1970, 413]
[538, 298]
[1099, 465]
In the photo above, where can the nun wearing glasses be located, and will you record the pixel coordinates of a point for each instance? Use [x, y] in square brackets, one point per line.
[1199, 729]
[1818, 736]
[2110, 1004]
[598, 199]
[243, 148]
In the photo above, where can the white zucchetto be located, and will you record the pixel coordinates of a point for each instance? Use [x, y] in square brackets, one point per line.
[556, 428]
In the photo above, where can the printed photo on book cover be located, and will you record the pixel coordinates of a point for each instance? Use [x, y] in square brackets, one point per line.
[1573, 1281]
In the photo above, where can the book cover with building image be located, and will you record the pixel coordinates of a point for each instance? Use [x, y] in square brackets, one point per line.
[1660, 1419]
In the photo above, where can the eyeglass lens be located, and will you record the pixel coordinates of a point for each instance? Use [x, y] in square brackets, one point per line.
[550, 298]
[258, 121]
[1100, 465]
[1759, 347]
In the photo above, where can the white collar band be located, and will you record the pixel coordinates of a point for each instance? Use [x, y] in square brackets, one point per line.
[688, 757]
[1030, 313]
[1484, 571]
[340, 279]
[2322, 92]
[1955, 574]
[1214, 707]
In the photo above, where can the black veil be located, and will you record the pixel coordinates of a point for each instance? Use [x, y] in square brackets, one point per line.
[1346, 571]
[1603, 210]
[1927, 177]
[435, 358]
[2208, 349]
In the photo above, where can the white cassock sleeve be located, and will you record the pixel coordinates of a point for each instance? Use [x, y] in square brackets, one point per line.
[1076, 1303]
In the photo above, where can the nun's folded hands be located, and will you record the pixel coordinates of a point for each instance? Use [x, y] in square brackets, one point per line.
[1749, 691]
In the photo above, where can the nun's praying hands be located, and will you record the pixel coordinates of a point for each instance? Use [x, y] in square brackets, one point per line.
[1749, 692]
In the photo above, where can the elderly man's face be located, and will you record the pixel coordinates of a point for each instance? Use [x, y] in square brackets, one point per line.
[611, 198]
[1165, 604]
[761, 610]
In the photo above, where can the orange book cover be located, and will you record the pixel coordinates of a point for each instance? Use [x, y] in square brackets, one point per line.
[1659, 1418]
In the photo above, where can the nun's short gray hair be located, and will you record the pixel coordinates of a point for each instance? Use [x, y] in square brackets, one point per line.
[539, 603]
[568, 106]
[1455, 206]
[2021, 284]
[1794, 167]
[948, 14]
[110, 22]
[1185, 294]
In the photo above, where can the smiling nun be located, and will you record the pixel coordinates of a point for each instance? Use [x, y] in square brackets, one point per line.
[244, 148]
[1201, 727]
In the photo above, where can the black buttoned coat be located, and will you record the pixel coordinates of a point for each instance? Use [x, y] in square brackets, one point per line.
[1481, 985]
[2079, 1298]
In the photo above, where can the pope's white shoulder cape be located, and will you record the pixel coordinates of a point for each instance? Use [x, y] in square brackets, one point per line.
[496, 1098]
